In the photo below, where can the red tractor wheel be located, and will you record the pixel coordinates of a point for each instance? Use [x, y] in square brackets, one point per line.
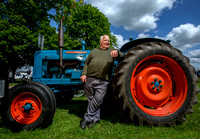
[28, 105]
[52, 97]
[26, 108]
[156, 84]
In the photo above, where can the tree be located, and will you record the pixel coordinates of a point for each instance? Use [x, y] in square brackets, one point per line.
[50, 36]
[22, 20]
[63, 8]
[86, 23]
[20, 23]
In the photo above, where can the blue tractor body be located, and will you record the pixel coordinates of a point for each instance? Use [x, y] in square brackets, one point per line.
[48, 71]
[66, 77]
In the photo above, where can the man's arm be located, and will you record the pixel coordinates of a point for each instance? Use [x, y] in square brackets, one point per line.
[116, 53]
[83, 77]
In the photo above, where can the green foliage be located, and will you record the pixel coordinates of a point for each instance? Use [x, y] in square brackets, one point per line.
[20, 23]
[50, 36]
[86, 23]
[22, 20]
[62, 9]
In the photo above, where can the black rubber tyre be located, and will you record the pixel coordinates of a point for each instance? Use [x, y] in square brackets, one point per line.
[53, 100]
[141, 64]
[39, 104]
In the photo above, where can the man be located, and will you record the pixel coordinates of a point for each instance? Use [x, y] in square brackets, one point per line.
[96, 76]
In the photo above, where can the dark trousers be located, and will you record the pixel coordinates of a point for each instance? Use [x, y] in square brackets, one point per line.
[95, 90]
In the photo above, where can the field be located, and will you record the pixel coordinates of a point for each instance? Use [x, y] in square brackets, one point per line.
[116, 125]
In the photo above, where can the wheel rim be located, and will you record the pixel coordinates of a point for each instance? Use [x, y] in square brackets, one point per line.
[158, 85]
[79, 93]
[26, 108]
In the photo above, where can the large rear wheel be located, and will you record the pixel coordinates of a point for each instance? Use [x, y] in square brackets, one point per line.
[156, 84]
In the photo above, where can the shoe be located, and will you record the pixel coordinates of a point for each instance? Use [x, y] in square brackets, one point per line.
[93, 123]
[83, 124]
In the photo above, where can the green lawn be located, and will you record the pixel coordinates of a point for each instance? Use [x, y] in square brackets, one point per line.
[67, 117]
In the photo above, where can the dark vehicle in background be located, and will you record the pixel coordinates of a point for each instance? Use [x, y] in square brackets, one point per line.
[198, 74]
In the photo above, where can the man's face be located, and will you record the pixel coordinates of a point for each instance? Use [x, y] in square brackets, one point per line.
[105, 44]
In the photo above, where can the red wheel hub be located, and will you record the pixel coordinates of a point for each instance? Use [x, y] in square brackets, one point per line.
[26, 108]
[158, 85]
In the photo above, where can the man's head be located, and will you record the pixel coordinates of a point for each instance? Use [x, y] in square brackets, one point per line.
[104, 42]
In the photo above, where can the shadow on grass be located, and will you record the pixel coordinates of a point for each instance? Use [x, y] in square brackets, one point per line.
[109, 110]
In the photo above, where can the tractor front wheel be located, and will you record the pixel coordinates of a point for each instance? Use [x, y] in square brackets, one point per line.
[28, 105]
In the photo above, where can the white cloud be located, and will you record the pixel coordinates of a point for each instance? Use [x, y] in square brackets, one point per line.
[142, 35]
[195, 62]
[120, 40]
[137, 15]
[194, 54]
[185, 36]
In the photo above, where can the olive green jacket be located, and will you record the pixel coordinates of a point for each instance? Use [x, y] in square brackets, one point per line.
[99, 63]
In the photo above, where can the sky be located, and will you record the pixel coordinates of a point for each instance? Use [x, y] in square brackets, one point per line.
[175, 20]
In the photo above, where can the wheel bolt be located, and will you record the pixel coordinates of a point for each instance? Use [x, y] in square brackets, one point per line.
[158, 89]
[152, 83]
[161, 86]
[156, 79]
[160, 81]
[153, 87]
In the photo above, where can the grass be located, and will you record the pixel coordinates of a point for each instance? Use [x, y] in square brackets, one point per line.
[15, 83]
[67, 117]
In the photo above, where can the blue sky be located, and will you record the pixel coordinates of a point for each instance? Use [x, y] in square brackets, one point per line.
[177, 20]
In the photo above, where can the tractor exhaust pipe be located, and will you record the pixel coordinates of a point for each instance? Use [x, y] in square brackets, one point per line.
[61, 42]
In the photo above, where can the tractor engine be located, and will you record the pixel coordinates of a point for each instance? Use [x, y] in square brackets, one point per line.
[47, 69]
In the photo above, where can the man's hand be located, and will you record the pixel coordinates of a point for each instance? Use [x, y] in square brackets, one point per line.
[83, 78]
[114, 53]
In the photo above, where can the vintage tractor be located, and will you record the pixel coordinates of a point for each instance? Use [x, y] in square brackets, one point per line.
[154, 83]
